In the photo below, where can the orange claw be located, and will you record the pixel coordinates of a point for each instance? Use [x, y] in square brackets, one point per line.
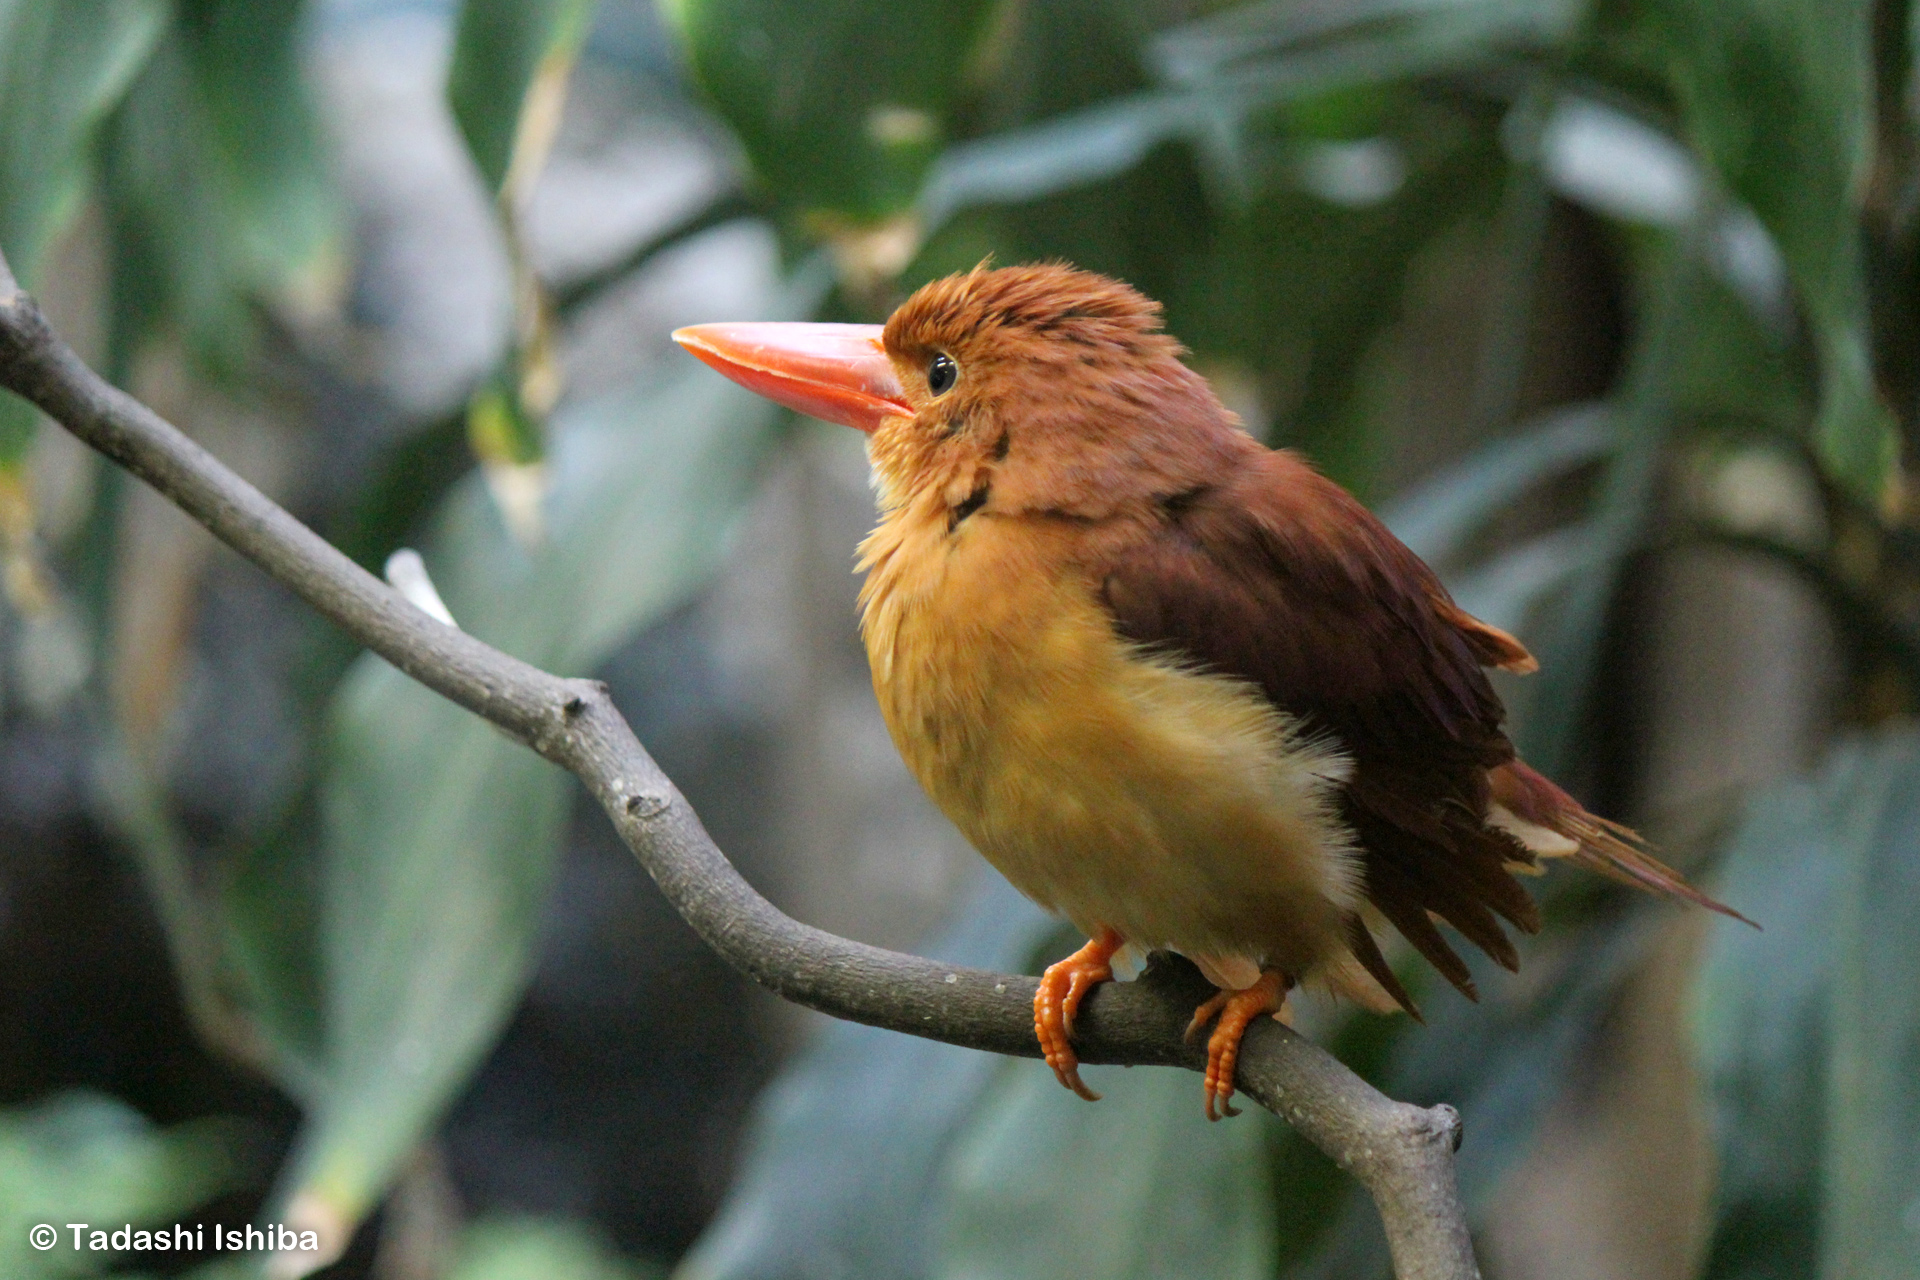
[1062, 987]
[1237, 1010]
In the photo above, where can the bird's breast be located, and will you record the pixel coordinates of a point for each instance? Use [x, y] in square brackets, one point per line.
[1114, 786]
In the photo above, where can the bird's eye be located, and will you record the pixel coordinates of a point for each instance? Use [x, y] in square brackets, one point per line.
[941, 373]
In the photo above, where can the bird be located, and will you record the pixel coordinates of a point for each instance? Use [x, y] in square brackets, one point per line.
[1178, 687]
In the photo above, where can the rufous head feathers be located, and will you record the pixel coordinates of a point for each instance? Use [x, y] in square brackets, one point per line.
[1045, 385]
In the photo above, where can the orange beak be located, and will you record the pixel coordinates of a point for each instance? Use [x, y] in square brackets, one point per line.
[838, 372]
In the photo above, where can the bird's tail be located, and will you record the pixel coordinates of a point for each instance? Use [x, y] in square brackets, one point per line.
[1552, 824]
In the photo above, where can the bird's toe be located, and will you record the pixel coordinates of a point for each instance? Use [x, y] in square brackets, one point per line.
[1205, 1014]
[1064, 985]
[1236, 1010]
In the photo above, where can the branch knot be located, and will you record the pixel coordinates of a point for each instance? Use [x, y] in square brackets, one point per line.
[647, 804]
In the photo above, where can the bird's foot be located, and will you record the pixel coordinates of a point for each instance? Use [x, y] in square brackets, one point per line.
[1237, 1010]
[1062, 987]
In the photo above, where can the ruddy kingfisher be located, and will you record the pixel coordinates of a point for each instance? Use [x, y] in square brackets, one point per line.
[1176, 686]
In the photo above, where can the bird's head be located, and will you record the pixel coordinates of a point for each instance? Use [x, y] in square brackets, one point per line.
[1042, 386]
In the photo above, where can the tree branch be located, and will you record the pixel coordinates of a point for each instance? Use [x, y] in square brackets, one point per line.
[1403, 1154]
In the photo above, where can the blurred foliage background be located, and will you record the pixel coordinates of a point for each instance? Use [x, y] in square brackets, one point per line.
[1611, 305]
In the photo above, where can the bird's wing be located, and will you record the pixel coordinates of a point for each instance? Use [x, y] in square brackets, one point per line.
[1280, 577]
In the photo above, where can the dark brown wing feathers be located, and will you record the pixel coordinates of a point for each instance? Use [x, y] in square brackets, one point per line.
[1366, 949]
[1280, 577]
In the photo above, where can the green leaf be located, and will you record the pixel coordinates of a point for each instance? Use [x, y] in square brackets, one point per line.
[268, 158]
[1112, 137]
[269, 946]
[1871, 1223]
[170, 229]
[1221, 70]
[84, 1157]
[507, 83]
[1252, 34]
[1441, 514]
[1058, 155]
[846, 1146]
[1778, 95]
[1809, 1033]
[510, 59]
[63, 65]
[841, 104]
[1761, 1032]
[19, 423]
[1733, 371]
[215, 189]
[1041, 1185]
[440, 833]
[539, 1249]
